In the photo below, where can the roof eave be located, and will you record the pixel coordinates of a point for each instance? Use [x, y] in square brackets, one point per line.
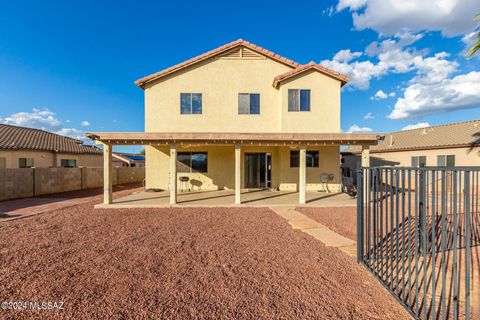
[212, 53]
[340, 77]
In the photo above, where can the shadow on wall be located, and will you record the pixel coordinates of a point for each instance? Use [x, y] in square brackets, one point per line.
[353, 161]
[196, 184]
[475, 143]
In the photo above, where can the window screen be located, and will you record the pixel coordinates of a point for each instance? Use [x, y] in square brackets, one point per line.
[248, 103]
[298, 100]
[243, 103]
[190, 103]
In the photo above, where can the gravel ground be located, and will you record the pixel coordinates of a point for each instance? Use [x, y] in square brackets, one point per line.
[181, 263]
[342, 220]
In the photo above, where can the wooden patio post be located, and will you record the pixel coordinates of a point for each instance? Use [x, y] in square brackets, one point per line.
[173, 174]
[302, 173]
[238, 199]
[107, 174]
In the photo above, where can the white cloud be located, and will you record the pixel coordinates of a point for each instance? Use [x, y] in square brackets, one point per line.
[433, 69]
[346, 55]
[84, 123]
[380, 95]
[329, 11]
[425, 98]
[451, 17]
[369, 116]
[356, 128]
[43, 119]
[391, 56]
[40, 119]
[352, 4]
[416, 126]
[72, 133]
[360, 72]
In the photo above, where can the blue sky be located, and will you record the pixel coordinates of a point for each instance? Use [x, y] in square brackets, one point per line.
[70, 67]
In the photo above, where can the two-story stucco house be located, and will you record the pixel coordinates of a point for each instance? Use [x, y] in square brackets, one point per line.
[238, 117]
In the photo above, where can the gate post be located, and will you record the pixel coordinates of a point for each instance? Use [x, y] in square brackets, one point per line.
[360, 214]
[422, 209]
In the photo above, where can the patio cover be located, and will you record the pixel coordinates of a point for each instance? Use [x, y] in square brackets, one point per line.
[149, 138]
[109, 139]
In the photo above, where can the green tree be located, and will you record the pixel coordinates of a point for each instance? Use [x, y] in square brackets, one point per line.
[142, 151]
[476, 46]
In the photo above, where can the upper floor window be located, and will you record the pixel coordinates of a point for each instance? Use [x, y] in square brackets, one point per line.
[190, 103]
[419, 161]
[298, 99]
[3, 162]
[25, 162]
[68, 163]
[312, 159]
[446, 161]
[248, 103]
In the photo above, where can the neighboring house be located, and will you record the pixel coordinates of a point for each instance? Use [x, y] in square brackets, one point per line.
[22, 147]
[454, 144]
[241, 116]
[128, 160]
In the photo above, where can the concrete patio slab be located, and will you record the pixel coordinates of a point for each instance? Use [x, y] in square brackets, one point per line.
[226, 198]
[329, 237]
[303, 223]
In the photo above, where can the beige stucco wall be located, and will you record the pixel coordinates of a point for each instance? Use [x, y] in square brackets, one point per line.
[83, 160]
[463, 157]
[41, 159]
[220, 81]
[221, 166]
[324, 114]
[45, 159]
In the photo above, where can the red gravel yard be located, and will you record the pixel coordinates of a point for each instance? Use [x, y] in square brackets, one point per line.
[181, 263]
[342, 220]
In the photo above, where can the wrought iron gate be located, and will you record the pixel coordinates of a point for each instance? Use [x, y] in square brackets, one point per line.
[418, 232]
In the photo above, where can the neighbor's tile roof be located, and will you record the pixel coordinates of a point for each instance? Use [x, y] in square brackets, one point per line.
[436, 137]
[21, 138]
[310, 66]
[240, 42]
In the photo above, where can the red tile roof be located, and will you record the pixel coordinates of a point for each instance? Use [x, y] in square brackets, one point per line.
[310, 66]
[240, 42]
[141, 82]
[21, 138]
[459, 134]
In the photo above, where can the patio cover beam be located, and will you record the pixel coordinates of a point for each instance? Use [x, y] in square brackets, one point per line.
[268, 139]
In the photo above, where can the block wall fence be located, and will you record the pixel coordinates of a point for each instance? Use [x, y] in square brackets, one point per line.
[29, 182]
